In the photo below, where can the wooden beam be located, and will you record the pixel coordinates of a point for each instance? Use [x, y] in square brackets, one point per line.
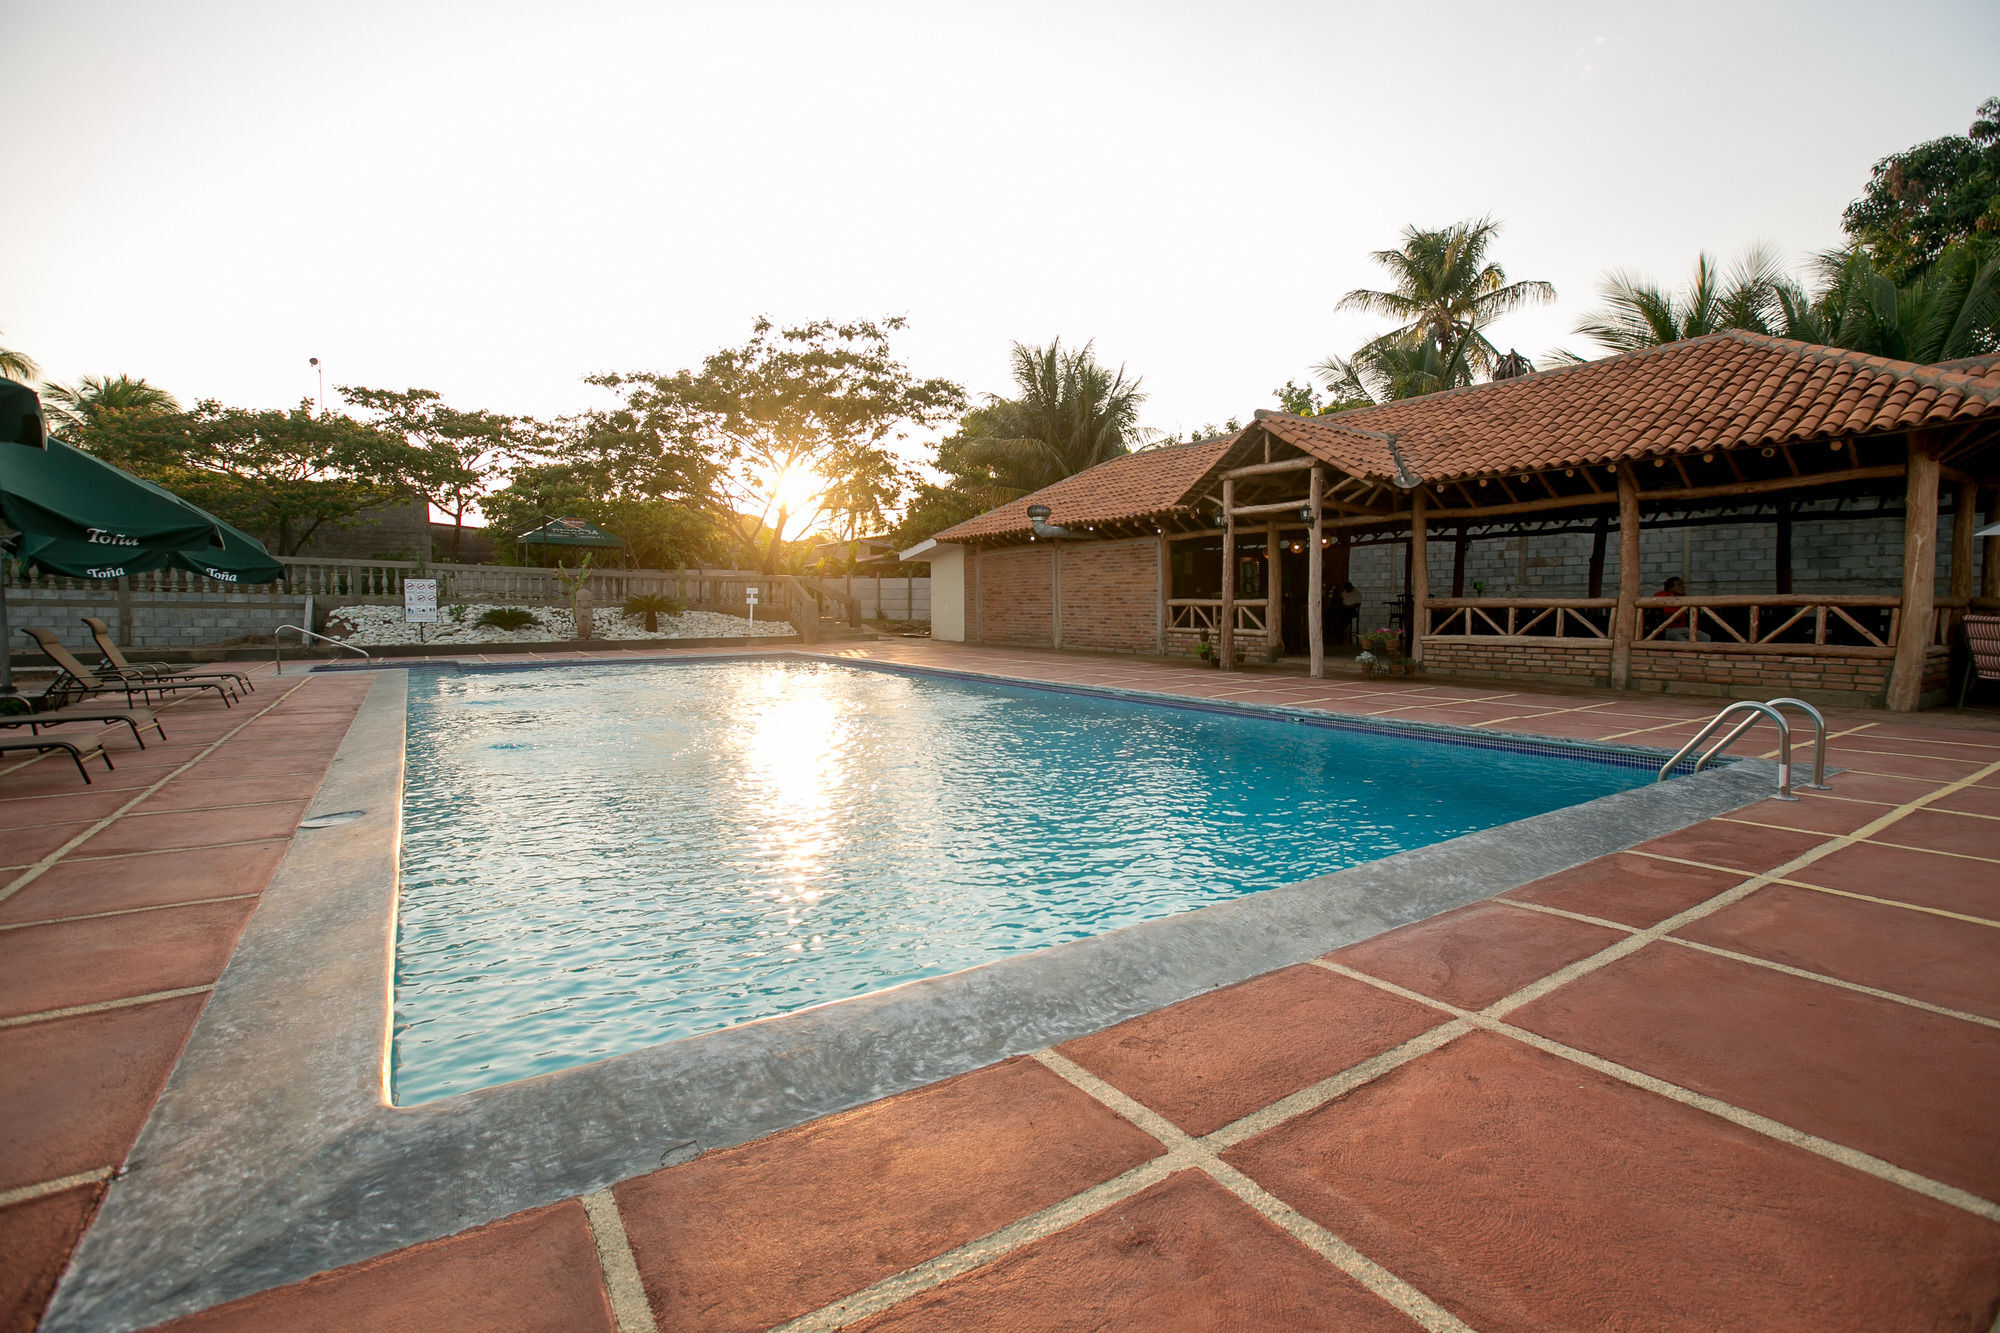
[1275, 507]
[1684, 493]
[1625, 619]
[1420, 575]
[1316, 584]
[1259, 469]
[1225, 629]
[1913, 631]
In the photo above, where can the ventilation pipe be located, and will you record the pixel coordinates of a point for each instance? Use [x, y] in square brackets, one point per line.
[1038, 519]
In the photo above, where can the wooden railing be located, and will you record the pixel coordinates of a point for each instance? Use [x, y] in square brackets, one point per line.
[1522, 617]
[1799, 623]
[1205, 613]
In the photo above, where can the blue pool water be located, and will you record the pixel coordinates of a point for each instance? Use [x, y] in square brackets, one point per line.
[598, 859]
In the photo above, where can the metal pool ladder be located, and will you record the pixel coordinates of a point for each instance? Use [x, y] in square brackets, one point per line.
[1761, 710]
[277, 654]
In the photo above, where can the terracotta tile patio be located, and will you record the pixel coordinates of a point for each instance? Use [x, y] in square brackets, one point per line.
[1744, 1076]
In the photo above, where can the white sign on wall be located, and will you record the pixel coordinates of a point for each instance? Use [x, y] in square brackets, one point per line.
[420, 601]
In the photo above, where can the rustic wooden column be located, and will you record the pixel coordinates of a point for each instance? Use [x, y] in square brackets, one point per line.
[1274, 595]
[1164, 587]
[1594, 582]
[1225, 617]
[1420, 575]
[1784, 551]
[1458, 545]
[1625, 620]
[1913, 630]
[1316, 582]
[1964, 518]
[1989, 558]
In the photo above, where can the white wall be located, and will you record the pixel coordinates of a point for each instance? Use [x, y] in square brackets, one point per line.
[948, 593]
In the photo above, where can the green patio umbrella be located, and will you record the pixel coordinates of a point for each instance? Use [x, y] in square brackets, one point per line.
[50, 491]
[569, 532]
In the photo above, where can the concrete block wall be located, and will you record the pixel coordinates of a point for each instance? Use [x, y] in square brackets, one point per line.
[150, 620]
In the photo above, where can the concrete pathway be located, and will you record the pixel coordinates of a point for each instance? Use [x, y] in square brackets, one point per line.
[1744, 1076]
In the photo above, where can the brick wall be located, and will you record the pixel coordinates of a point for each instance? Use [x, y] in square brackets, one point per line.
[1839, 678]
[1574, 662]
[1110, 595]
[1016, 590]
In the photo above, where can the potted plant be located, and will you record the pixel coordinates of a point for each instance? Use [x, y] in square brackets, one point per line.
[1204, 651]
[1382, 650]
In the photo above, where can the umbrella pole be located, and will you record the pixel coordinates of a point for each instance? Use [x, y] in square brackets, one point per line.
[6, 642]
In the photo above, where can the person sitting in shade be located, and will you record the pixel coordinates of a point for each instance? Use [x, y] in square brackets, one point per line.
[1346, 612]
[1678, 623]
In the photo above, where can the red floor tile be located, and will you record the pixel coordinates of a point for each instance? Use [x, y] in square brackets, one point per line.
[79, 886]
[747, 1237]
[1971, 801]
[1927, 878]
[1527, 1193]
[163, 832]
[1634, 890]
[116, 957]
[1943, 831]
[1215, 1058]
[1911, 1087]
[36, 1238]
[535, 1272]
[1737, 846]
[1880, 787]
[1478, 954]
[1812, 814]
[194, 793]
[77, 1089]
[1951, 963]
[1901, 765]
[80, 805]
[1185, 1256]
[25, 846]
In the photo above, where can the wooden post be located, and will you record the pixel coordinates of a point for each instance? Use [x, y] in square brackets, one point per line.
[1964, 518]
[1316, 583]
[1989, 558]
[1913, 630]
[1594, 585]
[1420, 575]
[1784, 553]
[1163, 582]
[1625, 620]
[1225, 618]
[1274, 595]
[1459, 544]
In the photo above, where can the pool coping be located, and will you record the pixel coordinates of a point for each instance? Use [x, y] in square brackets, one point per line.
[272, 1154]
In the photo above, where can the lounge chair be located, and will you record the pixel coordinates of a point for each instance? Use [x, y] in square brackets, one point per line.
[75, 678]
[80, 748]
[114, 660]
[1982, 643]
[139, 719]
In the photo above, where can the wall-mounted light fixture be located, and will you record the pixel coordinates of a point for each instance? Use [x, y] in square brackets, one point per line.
[1306, 514]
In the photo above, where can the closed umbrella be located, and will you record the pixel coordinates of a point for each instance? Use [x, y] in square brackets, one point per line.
[52, 492]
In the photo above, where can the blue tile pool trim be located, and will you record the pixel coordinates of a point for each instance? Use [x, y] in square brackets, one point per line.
[1436, 733]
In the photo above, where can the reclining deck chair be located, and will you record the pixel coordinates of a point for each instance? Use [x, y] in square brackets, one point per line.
[80, 748]
[139, 719]
[1982, 642]
[73, 677]
[114, 660]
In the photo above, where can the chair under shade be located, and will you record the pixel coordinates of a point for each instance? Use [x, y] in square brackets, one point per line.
[114, 661]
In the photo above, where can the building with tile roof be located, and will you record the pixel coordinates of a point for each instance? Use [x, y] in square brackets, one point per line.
[1129, 556]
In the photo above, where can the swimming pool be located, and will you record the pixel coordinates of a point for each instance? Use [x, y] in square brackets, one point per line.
[600, 859]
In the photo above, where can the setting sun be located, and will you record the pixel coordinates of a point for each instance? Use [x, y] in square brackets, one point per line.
[796, 491]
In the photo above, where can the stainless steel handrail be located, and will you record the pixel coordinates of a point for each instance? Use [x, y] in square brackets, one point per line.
[277, 646]
[1818, 782]
[1755, 710]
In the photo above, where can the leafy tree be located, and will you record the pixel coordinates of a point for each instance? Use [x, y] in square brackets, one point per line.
[453, 455]
[1446, 290]
[658, 533]
[1640, 313]
[281, 475]
[18, 366]
[933, 508]
[1070, 413]
[824, 400]
[1384, 371]
[1949, 310]
[95, 397]
[1922, 199]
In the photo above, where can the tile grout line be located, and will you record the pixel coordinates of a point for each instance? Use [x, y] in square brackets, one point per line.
[1486, 1020]
[1824, 978]
[1382, 1283]
[122, 911]
[42, 1189]
[36, 870]
[620, 1271]
[103, 1006]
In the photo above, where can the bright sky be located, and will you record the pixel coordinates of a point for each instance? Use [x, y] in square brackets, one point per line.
[494, 200]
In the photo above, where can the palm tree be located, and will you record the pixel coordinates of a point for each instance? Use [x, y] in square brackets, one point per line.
[18, 366]
[1069, 414]
[1383, 371]
[1448, 291]
[1950, 310]
[94, 396]
[1640, 313]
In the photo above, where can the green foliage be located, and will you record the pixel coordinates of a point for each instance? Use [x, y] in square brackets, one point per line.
[932, 509]
[1917, 202]
[652, 606]
[18, 366]
[823, 399]
[279, 475]
[508, 617]
[456, 613]
[451, 455]
[94, 398]
[659, 533]
[1384, 371]
[1950, 310]
[1069, 414]
[1640, 313]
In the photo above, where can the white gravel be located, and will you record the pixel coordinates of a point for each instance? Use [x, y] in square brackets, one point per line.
[370, 626]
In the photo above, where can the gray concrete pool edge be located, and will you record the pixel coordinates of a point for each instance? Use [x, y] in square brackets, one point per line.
[272, 1156]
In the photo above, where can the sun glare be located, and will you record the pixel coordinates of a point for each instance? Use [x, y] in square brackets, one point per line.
[797, 491]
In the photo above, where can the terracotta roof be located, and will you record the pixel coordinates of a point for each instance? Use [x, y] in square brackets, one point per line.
[1722, 391]
[1151, 481]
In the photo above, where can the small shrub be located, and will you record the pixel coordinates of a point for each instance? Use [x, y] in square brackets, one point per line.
[508, 617]
[457, 613]
[652, 606]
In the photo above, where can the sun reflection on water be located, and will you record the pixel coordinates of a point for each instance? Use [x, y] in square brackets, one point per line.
[794, 737]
